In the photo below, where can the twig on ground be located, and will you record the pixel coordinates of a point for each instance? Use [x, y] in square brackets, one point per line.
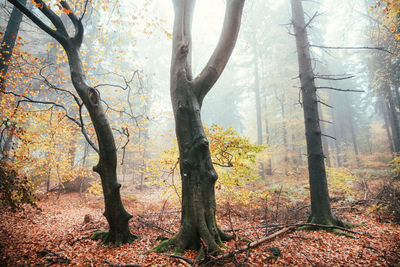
[181, 259]
[152, 225]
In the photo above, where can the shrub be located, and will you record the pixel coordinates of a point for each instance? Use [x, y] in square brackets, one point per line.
[15, 189]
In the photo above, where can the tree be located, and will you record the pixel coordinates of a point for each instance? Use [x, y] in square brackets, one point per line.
[320, 206]
[198, 176]
[115, 212]
[7, 46]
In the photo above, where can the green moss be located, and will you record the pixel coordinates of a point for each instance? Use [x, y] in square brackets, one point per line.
[99, 235]
[118, 240]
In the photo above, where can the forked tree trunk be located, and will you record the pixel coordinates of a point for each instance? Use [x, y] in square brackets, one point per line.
[115, 212]
[320, 206]
[198, 176]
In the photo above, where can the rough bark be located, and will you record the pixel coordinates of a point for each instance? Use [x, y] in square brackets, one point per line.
[320, 206]
[198, 176]
[8, 43]
[115, 213]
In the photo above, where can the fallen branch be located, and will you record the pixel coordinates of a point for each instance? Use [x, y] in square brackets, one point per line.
[254, 243]
[183, 260]
[272, 236]
[125, 265]
[149, 224]
[79, 239]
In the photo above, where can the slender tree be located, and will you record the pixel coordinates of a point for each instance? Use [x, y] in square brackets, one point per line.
[115, 212]
[198, 220]
[320, 206]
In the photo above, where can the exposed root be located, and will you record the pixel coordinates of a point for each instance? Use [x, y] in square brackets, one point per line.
[330, 224]
[116, 239]
[167, 245]
[178, 244]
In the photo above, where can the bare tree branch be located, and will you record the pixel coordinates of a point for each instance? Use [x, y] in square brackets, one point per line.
[339, 89]
[352, 48]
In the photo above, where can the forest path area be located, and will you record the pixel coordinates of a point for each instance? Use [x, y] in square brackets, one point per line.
[58, 234]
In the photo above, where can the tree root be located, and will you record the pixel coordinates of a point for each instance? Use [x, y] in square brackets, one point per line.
[178, 245]
[339, 230]
[116, 239]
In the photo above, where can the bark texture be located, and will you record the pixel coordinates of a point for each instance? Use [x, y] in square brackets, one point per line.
[115, 212]
[320, 205]
[198, 176]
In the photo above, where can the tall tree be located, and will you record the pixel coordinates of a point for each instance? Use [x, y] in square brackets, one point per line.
[115, 212]
[198, 176]
[8, 43]
[320, 206]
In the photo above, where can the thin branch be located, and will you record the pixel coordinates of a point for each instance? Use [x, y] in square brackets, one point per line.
[352, 48]
[311, 19]
[56, 35]
[325, 104]
[125, 131]
[339, 89]
[84, 9]
[57, 22]
[328, 136]
[330, 122]
[329, 77]
[78, 38]
[225, 166]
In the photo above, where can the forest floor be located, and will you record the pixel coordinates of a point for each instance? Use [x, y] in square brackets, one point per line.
[56, 234]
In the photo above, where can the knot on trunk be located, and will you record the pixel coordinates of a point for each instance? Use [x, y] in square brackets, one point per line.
[184, 50]
[94, 97]
[204, 142]
[97, 169]
[116, 187]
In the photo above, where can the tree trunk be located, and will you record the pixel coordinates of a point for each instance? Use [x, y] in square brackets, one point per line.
[258, 105]
[320, 206]
[115, 212]
[198, 220]
[6, 148]
[352, 130]
[337, 141]
[8, 43]
[393, 119]
[325, 141]
[385, 116]
[269, 166]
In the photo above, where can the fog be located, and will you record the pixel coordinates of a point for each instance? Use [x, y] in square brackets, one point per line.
[127, 52]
